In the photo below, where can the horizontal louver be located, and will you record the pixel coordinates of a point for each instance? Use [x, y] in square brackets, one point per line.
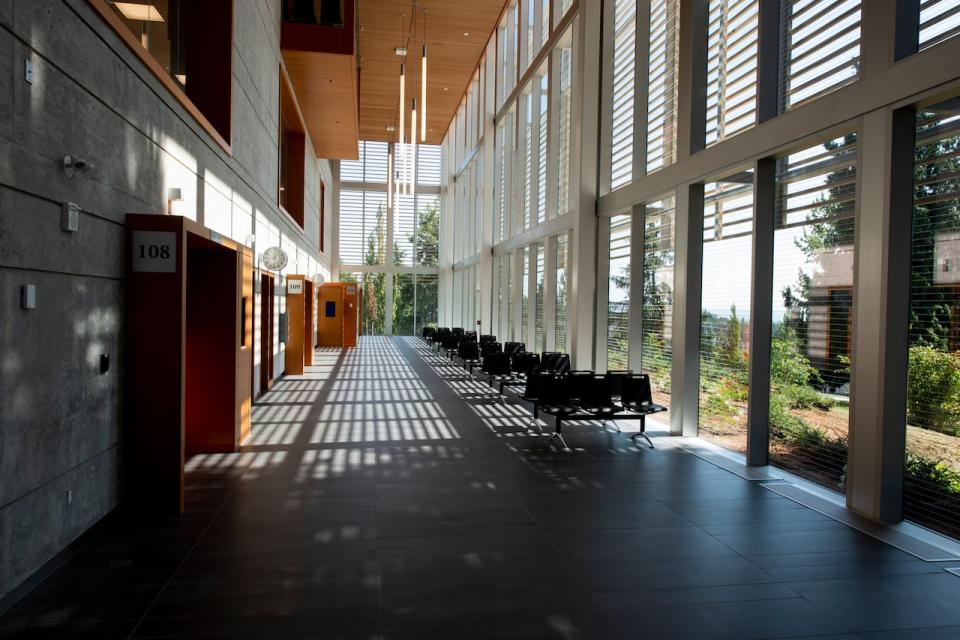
[624, 86]
[731, 68]
[939, 20]
[662, 84]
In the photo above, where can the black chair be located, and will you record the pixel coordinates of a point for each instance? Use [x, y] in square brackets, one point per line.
[513, 348]
[486, 348]
[563, 364]
[524, 363]
[457, 331]
[614, 378]
[549, 360]
[487, 338]
[469, 353]
[439, 337]
[470, 335]
[596, 399]
[531, 393]
[496, 368]
[556, 399]
[637, 396]
[450, 344]
[578, 381]
[426, 332]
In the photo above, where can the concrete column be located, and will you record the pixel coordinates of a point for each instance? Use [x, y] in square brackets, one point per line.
[880, 315]
[761, 310]
[688, 260]
[583, 248]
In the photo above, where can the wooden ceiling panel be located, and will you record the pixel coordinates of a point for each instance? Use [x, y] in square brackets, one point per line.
[326, 88]
[452, 59]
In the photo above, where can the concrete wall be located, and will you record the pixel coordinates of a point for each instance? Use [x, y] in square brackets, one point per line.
[61, 427]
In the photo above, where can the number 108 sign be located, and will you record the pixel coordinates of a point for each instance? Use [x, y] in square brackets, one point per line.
[154, 251]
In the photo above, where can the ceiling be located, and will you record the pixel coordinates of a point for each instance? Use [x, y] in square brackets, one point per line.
[452, 58]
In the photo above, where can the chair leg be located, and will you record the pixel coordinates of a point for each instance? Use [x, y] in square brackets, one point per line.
[642, 435]
[560, 438]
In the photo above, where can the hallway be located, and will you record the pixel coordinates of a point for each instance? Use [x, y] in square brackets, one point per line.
[382, 496]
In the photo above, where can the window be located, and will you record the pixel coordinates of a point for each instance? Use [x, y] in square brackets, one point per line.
[822, 48]
[528, 149]
[932, 474]
[624, 87]
[618, 293]
[563, 56]
[731, 68]
[506, 275]
[812, 311]
[543, 97]
[725, 312]
[292, 155]
[404, 304]
[662, 79]
[363, 227]
[560, 309]
[506, 129]
[189, 46]
[939, 20]
[507, 46]
[657, 321]
[323, 212]
[560, 8]
[426, 306]
[539, 337]
[525, 297]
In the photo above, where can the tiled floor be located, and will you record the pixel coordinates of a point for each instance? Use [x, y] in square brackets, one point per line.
[383, 497]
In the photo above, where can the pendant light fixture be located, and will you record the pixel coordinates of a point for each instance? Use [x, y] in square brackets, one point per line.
[403, 155]
[390, 176]
[413, 146]
[423, 83]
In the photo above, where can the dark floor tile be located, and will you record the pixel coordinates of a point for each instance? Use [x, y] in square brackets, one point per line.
[888, 602]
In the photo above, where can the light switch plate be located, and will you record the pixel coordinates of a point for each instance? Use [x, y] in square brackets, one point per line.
[70, 218]
[28, 296]
[28, 70]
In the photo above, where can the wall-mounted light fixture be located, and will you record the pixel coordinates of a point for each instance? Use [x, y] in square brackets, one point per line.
[175, 201]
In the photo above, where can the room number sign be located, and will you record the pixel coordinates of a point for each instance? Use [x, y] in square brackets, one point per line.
[295, 287]
[154, 251]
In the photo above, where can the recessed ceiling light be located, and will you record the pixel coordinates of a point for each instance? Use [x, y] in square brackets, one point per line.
[139, 12]
[390, 127]
[466, 33]
[445, 89]
[400, 51]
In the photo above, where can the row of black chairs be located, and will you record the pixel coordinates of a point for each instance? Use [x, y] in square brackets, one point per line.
[548, 382]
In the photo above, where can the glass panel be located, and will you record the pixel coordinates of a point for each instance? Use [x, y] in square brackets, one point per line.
[426, 301]
[404, 219]
[543, 95]
[539, 343]
[724, 327]
[822, 51]
[624, 87]
[932, 475]
[560, 314]
[939, 20]
[508, 330]
[403, 304]
[529, 162]
[662, 91]
[657, 325]
[812, 311]
[427, 238]
[564, 54]
[524, 297]
[731, 68]
[618, 295]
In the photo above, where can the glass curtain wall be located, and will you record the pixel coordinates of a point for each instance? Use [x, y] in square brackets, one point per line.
[539, 335]
[657, 322]
[725, 310]
[618, 294]
[560, 309]
[932, 473]
[813, 311]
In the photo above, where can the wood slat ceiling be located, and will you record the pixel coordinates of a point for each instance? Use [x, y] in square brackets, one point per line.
[452, 59]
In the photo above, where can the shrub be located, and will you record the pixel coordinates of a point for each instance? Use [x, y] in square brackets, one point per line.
[804, 397]
[788, 366]
[933, 390]
[933, 475]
